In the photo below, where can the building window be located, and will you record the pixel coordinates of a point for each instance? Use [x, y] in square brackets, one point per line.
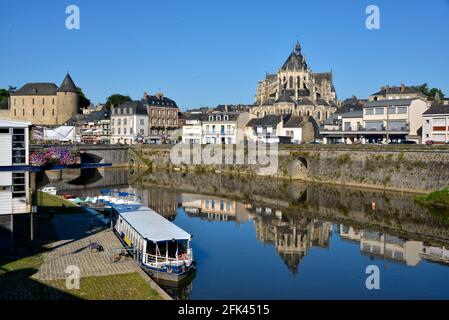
[43, 100]
[379, 110]
[15, 112]
[141, 131]
[391, 110]
[131, 130]
[43, 112]
[23, 101]
[33, 101]
[124, 130]
[52, 112]
[18, 146]
[23, 112]
[118, 130]
[18, 184]
[119, 122]
[113, 121]
[53, 101]
[369, 111]
[402, 110]
[142, 122]
[125, 121]
[33, 112]
[226, 118]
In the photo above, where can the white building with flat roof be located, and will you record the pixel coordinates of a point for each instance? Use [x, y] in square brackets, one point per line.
[14, 179]
[435, 124]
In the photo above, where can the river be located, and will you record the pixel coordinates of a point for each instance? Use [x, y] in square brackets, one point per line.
[256, 238]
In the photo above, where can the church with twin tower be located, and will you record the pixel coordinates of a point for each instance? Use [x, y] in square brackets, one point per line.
[295, 89]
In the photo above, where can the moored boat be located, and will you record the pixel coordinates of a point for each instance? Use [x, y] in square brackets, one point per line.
[161, 248]
[50, 190]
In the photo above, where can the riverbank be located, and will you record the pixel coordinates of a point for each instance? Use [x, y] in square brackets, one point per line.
[437, 202]
[416, 169]
[17, 284]
[40, 271]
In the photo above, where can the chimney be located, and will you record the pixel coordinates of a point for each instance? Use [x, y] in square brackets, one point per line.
[145, 95]
[402, 88]
[159, 95]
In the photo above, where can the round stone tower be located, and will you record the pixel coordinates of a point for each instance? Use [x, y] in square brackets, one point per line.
[68, 100]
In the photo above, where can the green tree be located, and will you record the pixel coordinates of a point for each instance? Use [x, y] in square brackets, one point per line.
[116, 100]
[4, 95]
[429, 93]
[84, 102]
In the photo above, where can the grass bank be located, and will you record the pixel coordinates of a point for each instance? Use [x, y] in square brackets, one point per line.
[45, 199]
[437, 201]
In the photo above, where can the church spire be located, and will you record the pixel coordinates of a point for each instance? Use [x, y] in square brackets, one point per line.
[297, 48]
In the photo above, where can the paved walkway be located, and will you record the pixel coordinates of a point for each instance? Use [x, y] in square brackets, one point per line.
[75, 232]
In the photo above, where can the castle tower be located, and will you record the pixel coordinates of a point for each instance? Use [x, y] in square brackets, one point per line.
[68, 99]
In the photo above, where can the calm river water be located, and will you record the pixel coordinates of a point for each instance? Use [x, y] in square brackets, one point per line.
[268, 239]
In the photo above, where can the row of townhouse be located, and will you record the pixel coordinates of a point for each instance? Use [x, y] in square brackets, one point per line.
[392, 115]
[238, 127]
[153, 119]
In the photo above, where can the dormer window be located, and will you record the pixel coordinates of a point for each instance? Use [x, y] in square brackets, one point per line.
[211, 118]
[226, 118]
[218, 118]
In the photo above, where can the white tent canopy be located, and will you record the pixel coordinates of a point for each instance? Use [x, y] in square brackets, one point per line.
[151, 225]
[62, 133]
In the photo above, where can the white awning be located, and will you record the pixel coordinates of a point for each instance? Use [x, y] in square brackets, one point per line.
[151, 225]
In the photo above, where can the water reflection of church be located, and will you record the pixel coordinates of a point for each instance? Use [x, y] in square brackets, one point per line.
[393, 248]
[292, 238]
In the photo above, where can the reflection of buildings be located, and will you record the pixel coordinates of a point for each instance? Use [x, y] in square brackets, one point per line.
[394, 248]
[213, 208]
[292, 238]
[14, 183]
[162, 201]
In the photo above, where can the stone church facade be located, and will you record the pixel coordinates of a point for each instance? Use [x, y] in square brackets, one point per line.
[45, 103]
[295, 89]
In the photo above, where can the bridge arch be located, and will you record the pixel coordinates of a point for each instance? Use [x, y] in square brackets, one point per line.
[299, 168]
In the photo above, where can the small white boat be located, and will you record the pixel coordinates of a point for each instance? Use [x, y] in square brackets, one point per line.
[50, 190]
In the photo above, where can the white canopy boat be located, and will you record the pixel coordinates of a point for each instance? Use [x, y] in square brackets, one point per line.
[162, 248]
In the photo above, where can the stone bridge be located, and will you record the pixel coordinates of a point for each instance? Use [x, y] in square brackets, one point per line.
[87, 177]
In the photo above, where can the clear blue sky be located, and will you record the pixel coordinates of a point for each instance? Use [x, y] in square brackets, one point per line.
[212, 52]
